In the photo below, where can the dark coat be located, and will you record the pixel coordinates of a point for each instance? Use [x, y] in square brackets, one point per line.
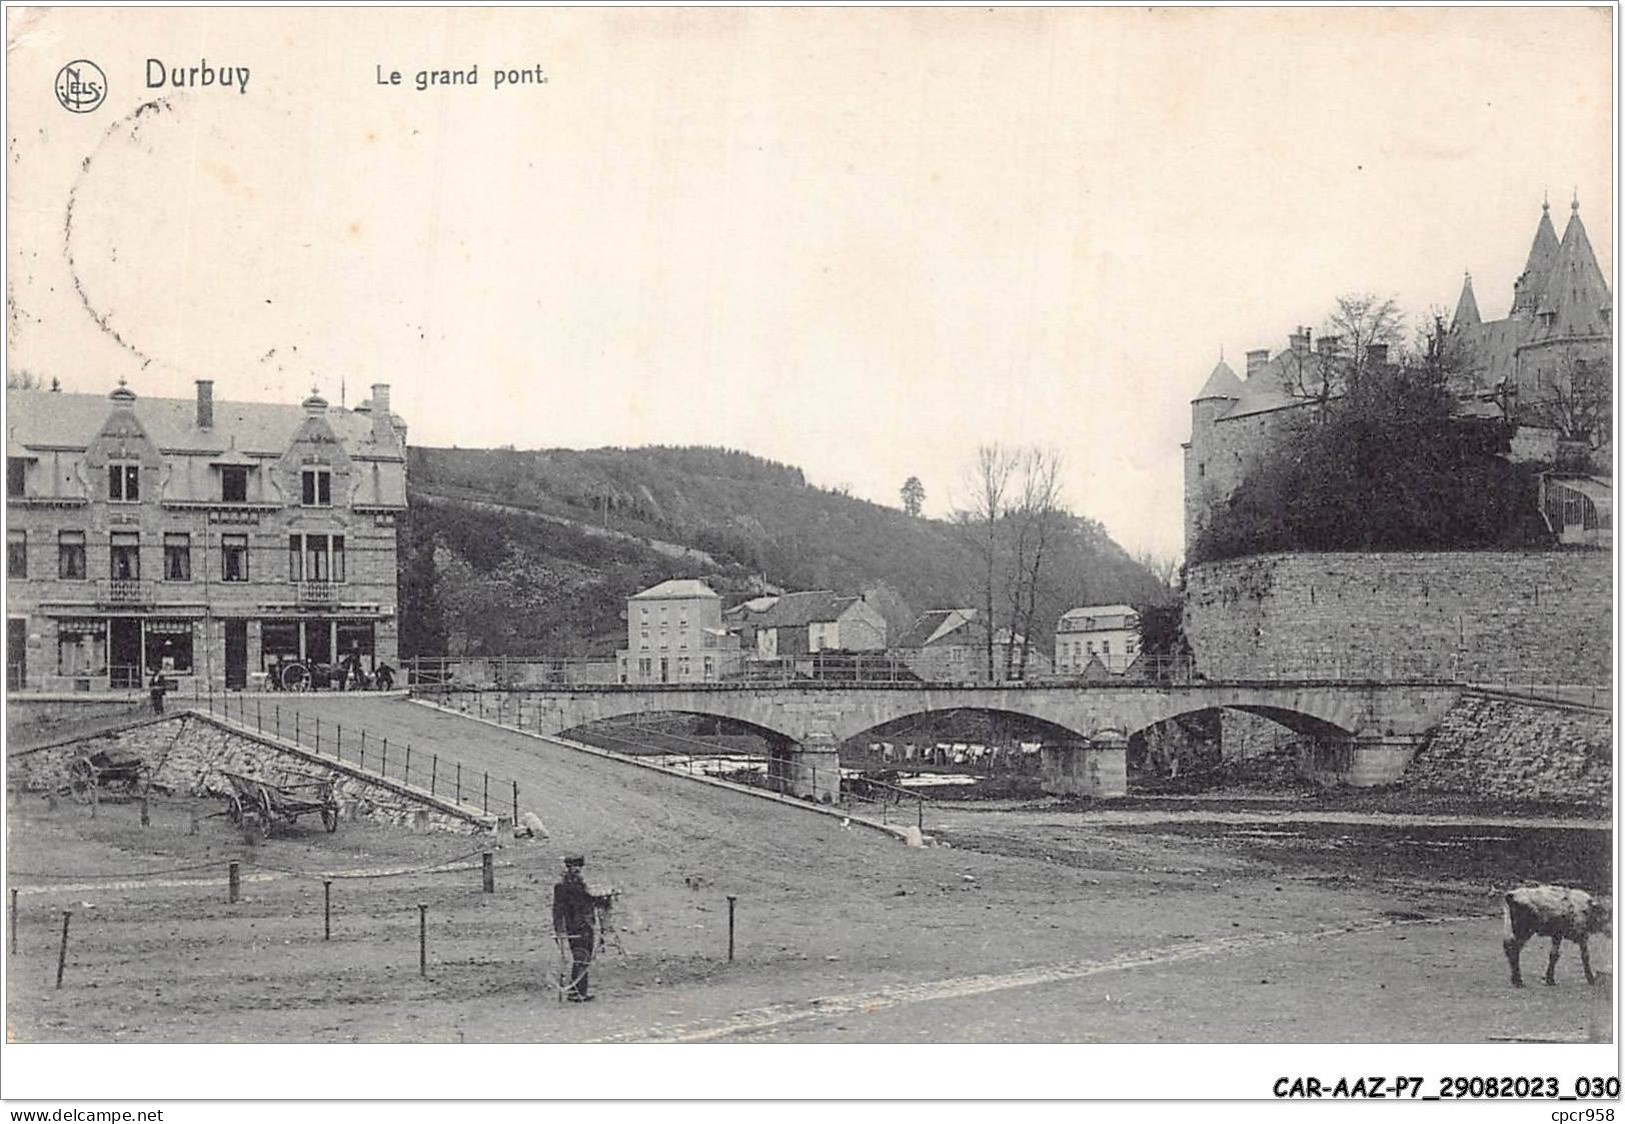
[572, 906]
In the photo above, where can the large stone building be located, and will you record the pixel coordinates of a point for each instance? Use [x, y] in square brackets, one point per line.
[674, 634]
[210, 539]
[1558, 327]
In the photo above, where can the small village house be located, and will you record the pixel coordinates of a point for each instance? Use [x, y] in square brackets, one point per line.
[950, 645]
[819, 620]
[1109, 634]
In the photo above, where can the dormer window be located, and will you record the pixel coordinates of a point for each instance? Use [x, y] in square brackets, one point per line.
[233, 483]
[124, 482]
[317, 487]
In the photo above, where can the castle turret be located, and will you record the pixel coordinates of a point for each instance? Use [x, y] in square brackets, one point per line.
[1218, 394]
[1466, 307]
[1530, 286]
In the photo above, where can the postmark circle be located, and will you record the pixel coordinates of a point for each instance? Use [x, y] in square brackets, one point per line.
[80, 86]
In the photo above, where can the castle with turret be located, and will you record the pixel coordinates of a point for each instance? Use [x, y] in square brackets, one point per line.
[1557, 330]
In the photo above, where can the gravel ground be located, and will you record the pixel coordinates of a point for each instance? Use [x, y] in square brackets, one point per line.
[1024, 927]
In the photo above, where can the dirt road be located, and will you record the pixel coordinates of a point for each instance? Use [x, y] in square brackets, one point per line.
[1063, 931]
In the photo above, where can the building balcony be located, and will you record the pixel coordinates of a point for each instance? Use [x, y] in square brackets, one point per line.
[317, 593]
[124, 591]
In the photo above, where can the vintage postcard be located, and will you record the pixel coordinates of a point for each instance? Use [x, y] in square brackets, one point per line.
[533, 529]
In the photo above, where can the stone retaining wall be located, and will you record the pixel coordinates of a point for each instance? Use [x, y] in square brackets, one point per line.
[188, 753]
[1464, 616]
[1518, 750]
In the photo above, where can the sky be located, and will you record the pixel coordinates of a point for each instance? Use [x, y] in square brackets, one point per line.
[859, 241]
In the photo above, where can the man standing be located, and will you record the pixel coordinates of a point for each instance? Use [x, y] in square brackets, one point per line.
[573, 917]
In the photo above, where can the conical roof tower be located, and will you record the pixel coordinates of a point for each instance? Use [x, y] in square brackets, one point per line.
[1530, 286]
[1466, 307]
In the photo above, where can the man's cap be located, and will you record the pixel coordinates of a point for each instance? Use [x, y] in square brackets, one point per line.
[574, 860]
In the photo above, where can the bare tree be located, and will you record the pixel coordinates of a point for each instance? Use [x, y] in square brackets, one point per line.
[1576, 399]
[1359, 330]
[1163, 567]
[1034, 518]
[986, 484]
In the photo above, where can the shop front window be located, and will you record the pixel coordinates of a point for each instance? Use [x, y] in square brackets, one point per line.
[81, 648]
[169, 646]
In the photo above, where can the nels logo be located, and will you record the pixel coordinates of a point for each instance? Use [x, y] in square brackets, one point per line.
[81, 86]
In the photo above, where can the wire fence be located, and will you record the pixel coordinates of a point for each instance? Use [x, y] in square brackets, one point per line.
[371, 752]
[776, 773]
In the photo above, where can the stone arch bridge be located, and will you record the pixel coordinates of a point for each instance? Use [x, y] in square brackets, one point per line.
[1380, 723]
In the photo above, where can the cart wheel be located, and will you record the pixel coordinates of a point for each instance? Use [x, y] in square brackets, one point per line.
[82, 780]
[330, 819]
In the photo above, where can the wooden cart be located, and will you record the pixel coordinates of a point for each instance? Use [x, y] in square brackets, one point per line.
[109, 774]
[259, 806]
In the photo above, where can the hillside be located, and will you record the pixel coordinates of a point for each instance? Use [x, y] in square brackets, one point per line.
[535, 552]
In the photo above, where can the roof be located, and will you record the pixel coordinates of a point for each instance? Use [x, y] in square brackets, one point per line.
[935, 625]
[1575, 289]
[750, 611]
[797, 610]
[1099, 611]
[1266, 388]
[1530, 287]
[1222, 383]
[675, 589]
[72, 421]
[1599, 492]
[1466, 306]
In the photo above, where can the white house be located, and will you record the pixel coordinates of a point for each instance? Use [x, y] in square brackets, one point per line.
[1107, 633]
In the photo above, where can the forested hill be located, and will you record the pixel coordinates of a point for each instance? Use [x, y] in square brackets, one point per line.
[535, 552]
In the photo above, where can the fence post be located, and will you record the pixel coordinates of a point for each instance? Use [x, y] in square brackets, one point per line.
[62, 953]
[459, 782]
[318, 735]
[423, 939]
[296, 727]
[338, 753]
[383, 766]
[485, 799]
[259, 725]
[277, 708]
[434, 766]
[731, 900]
[516, 804]
[327, 909]
[488, 874]
[406, 770]
[233, 881]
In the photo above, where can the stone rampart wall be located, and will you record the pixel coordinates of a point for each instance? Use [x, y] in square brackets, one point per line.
[1518, 750]
[1477, 617]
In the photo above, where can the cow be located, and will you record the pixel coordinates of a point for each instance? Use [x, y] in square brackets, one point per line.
[1552, 911]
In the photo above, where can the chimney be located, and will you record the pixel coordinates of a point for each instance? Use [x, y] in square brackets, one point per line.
[1300, 341]
[1256, 360]
[382, 432]
[1377, 353]
[205, 403]
[1328, 345]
